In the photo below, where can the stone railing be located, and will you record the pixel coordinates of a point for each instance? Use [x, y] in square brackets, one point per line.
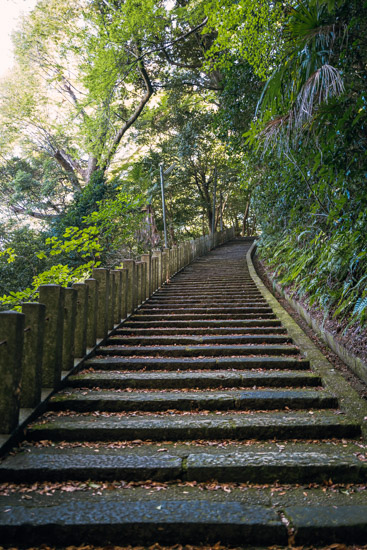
[42, 345]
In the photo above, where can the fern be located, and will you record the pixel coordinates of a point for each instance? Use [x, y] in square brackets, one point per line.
[360, 306]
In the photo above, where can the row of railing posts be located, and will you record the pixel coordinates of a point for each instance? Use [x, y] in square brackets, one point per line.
[43, 343]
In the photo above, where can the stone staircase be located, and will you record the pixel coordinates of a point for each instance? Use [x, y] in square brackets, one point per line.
[201, 420]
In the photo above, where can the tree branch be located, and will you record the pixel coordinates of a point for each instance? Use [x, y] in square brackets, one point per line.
[173, 42]
[68, 88]
[38, 215]
[144, 100]
[70, 166]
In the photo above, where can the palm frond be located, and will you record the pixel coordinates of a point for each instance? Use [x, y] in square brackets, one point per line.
[274, 130]
[323, 84]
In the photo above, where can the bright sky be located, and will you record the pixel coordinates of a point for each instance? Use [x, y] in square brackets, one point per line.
[10, 10]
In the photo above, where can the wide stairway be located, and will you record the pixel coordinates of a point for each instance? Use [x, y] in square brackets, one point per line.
[200, 421]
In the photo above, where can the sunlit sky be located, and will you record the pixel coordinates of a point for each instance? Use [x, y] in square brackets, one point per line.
[10, 10]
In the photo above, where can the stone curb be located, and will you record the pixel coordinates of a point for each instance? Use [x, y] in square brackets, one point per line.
[354, 363]
[350, 402]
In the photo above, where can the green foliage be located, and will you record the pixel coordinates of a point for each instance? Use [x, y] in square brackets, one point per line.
[58, 274]
[189, 141]
[34, 185]
[18, 260]
[85, 202]
[246, 29]
[104, 236]
[330, 272]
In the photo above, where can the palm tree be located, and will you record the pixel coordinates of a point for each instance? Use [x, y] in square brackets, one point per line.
[306, 76]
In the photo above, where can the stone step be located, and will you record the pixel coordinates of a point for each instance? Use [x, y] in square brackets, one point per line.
[290, 463]
[181, 331]
[222, 301]
[201, 276]
[222, 288]
[176, 427]
[207, 291]
[202, 316]
[238, 363]
[192, 351]
[207, 294]
[230, 281]
[177, 340]
[184, 379]
[157, 304]
[196, 310]
[258, 463]
[196, 285]
[111, 520]
[220, 400]
[134, 322]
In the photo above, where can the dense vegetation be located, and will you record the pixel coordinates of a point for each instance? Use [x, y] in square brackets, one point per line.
[265, 100]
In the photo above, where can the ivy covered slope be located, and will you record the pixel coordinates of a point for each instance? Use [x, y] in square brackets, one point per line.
[307, 144]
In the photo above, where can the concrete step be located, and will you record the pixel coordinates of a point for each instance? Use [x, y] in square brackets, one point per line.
[194, 282]
[202, 316]
[256, 463]
[220, 400]
[134, 322]
[180, 340]
[201, 278]
[181, 331]
[174, 364]
[177, 300]
[111, 520]
[212, 310]
[207, 294]
[184, 379]
[193, 351]
[203, 304]
[176, 427]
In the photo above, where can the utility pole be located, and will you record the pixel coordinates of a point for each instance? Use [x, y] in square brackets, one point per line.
[165, 173]
[214, 201]
[163, 205]
[221, 211]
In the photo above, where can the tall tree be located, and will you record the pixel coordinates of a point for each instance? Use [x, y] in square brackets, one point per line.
[86, 73]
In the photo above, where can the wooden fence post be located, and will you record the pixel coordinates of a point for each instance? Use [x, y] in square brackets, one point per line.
[131, 284]
[111, 300]
[117, 283]
[11, 348]
[148, 262]
[92, 285]
[139, 279]
[165, 260]
[53, 297]
[144, 282]
[154, 272]
[80, 333]
[102, 275]
[70, 298]
[124, 283]
[35, 314]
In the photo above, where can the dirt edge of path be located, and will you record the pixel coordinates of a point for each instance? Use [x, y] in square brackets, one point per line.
[357, 384]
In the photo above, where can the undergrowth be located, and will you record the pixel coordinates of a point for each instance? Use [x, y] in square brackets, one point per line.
[329, 271]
